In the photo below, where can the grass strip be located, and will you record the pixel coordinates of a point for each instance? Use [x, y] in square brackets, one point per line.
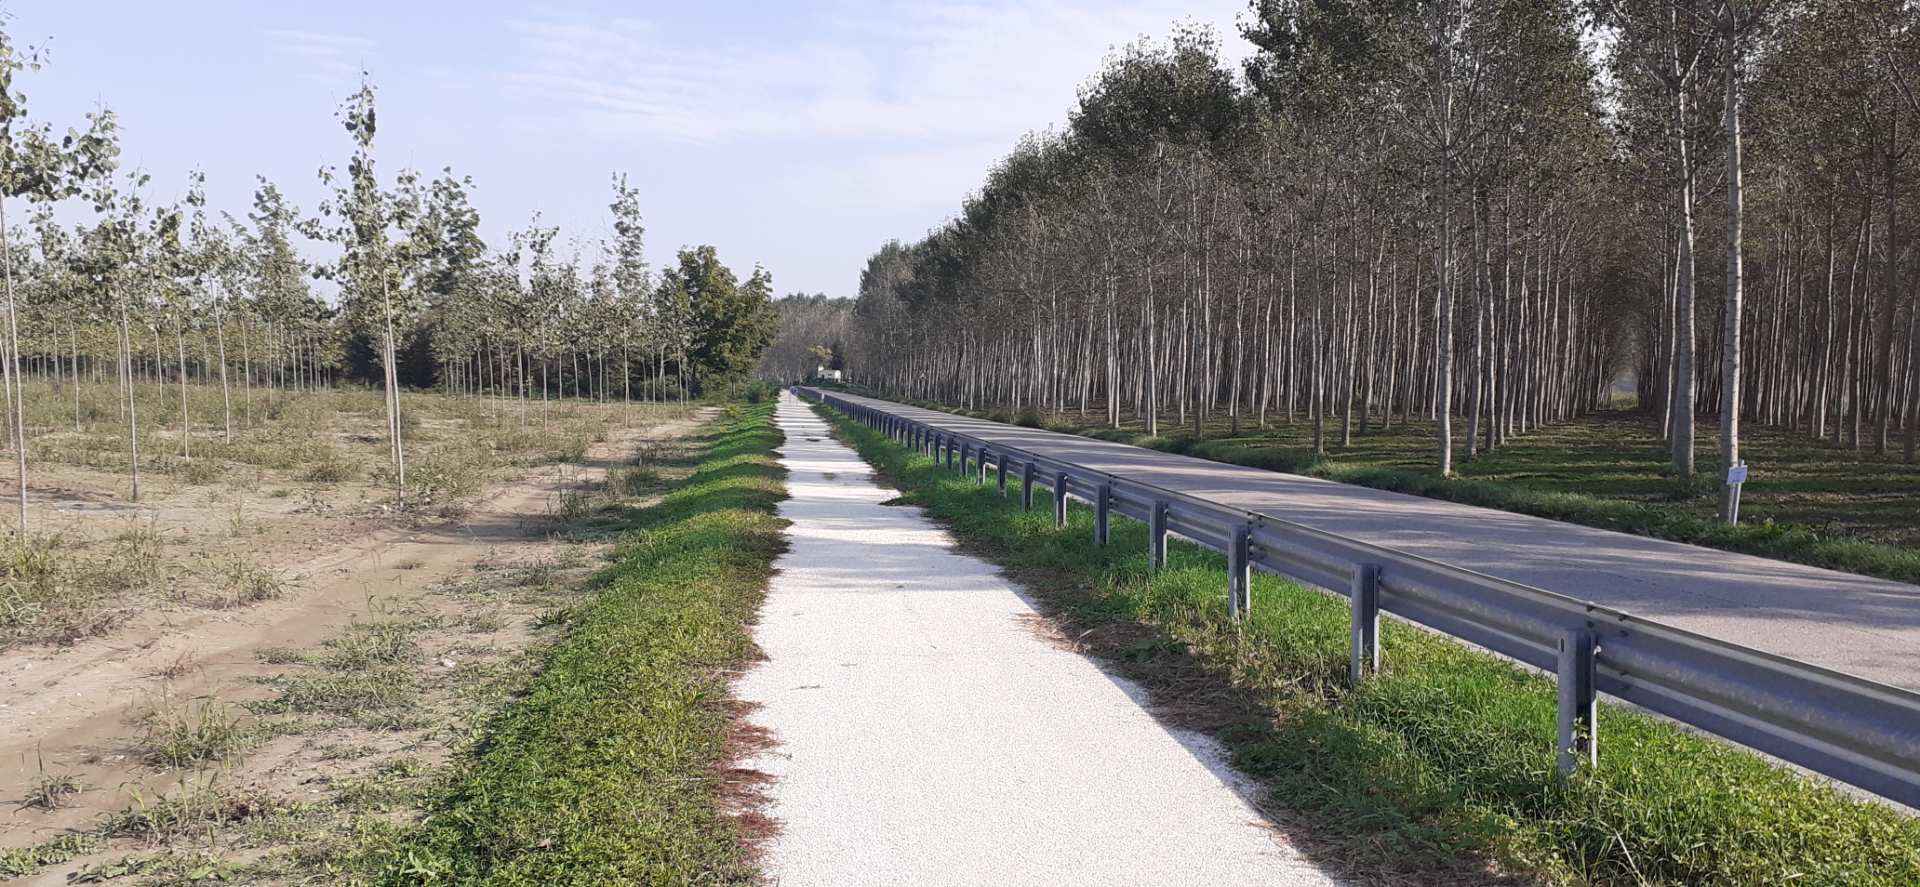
[608, 771]
[1446, 758]
[1781, 540]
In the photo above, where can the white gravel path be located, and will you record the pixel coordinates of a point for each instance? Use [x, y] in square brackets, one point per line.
[926, 736]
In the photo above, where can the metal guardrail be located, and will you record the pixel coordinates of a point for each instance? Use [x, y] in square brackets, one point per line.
[1848, 728]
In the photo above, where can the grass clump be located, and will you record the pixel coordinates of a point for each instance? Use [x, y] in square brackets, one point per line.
[607, 770]
[19, 862]
[53, 589]
[369, 645]
[243, 581]
[366, 694]
[1445, 760]
[332, 467]
[634, 480]
[193, 732]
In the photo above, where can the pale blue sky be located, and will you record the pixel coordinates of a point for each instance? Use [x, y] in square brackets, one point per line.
[798, 135]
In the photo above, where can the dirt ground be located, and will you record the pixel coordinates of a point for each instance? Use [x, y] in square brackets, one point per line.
[378, 637]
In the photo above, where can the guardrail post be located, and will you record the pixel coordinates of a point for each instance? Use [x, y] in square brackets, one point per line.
[1000, 464]
[1239, 576]
[1157, 535]
[1364, 595]
[1102, 511]
[965, 448]
[1026, 486]
[1578, 729]
[1060, 499]
[980, 462]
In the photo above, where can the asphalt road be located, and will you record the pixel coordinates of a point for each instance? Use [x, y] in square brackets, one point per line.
[1864, 626]
[923, 732]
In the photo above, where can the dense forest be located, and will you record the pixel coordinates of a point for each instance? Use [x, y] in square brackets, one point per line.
[1482, 213]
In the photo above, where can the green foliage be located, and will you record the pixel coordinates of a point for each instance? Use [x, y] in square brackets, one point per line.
[18, 862]
[727, 325]
[1446, 757]
[606, 771]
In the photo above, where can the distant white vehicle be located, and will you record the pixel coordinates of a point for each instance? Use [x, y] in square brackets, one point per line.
[828, 375]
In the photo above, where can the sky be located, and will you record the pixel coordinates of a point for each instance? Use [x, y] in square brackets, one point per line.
[799, 136]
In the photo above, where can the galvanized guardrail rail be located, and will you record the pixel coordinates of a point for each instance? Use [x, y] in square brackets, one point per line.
[1851, 729]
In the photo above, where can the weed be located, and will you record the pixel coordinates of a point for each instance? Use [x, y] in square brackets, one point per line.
[280, 655]
[370, 693]
[19, 862]
[332, 467]
[50, 790]
[182, 664]
[244, 581]
[634, 480]
[196, 808]
[574, 505]
[571, 450]
[133, 563]
[192, 732]
[372, 644]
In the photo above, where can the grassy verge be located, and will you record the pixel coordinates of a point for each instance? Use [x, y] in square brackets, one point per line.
[1444, 762]
[608, 771]
[1811, 502]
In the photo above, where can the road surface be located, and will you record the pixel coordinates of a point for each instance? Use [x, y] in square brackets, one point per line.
[1860, 625]
[925, 734]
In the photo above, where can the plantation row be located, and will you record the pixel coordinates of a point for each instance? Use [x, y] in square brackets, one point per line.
[180, 294]
[1488, 214]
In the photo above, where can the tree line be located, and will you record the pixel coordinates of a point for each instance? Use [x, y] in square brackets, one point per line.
[812, 337]
[411, 296]
[1482, 214]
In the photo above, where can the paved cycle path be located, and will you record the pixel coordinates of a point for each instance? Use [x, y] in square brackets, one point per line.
[925, 734]
[1860, 625]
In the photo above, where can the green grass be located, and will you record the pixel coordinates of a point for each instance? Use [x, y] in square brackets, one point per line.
[1444, 762]
[608, 770]
[18, 862]
[1809, 501]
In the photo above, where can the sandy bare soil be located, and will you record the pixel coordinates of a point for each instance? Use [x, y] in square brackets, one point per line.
[84, 712]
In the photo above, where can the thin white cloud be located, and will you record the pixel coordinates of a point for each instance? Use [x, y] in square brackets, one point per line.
[931, 70]
[321, 55]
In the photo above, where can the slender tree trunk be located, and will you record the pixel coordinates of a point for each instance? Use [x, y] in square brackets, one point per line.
[15, 390]
[1736, 278]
